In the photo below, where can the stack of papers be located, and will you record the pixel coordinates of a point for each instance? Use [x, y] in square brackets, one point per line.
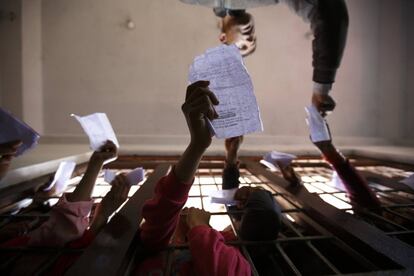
[12, 129]
[273, 159]
[318, 127]
[230, 82]
[224, 196]
[62, 175]
[98, 128]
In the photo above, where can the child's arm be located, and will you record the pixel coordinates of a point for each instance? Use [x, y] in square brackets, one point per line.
[84, 189]
[161, 213]
[110, 203]
[69, 218]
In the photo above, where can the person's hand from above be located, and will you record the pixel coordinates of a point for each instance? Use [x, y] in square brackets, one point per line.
[324, 103]
[199, 105]
[108, 152]
[233, 144]
[196, 217]
[243, 193]
[7, 152]
[289, 173]
[115, 197]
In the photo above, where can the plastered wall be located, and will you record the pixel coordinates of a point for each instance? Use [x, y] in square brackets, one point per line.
[90, 62]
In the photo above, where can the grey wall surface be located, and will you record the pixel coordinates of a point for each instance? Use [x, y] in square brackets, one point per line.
[10, 56]
[409, 91]
[92, 63]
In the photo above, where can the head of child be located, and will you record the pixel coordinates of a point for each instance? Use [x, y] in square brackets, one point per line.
[261, 220]
[237, 27]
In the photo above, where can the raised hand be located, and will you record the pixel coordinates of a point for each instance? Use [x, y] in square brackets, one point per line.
[108, 152]
[199, 105]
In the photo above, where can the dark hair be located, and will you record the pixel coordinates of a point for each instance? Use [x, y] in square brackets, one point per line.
[261, 219]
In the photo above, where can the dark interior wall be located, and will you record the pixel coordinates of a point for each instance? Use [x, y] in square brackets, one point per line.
[11, 56]
[409, 92]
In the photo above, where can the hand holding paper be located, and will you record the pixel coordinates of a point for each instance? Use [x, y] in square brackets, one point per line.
[230, 82]
[275, 159]
[317, 125]
[224, 196]
[98, 128]
[134, 177]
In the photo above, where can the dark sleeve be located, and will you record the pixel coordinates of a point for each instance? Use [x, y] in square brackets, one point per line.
[230, 177]
[329, 22]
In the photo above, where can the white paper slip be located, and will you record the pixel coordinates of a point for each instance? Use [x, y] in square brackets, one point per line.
[109, 175]
[274, 158]
[12, 129]
[336, 181]
[409, 181]
[98, 128]
[136, 175]
[231, 4]
[224, 196]
[229, 80]
[318, 127]
[62, 175]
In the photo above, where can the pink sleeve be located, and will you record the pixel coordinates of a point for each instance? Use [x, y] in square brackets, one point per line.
[161, 213]
[68, 221]
[211, 256]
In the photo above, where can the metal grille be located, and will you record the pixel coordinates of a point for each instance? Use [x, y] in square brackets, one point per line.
[42, 259]
[306, 244]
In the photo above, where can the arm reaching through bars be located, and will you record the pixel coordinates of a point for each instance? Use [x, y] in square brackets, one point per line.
[161, 213]
[355, 185]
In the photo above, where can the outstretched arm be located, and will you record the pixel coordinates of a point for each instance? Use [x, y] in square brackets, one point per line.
[161, 213]
[69, 217]
[329, 22]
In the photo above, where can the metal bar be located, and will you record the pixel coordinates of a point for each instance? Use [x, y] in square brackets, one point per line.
[345, 226]
[387, 182]
[281, 240]
[170, 259]
[322, 257]
[106, 253]
[288, 260]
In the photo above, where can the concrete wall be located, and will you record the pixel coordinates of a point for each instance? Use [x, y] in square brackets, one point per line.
[90, 62]
[10, 56]
[21, 80]
[409, 91]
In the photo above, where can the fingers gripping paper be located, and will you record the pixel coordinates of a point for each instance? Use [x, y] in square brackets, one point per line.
[98, 128]
[274, 159]
[317, 125]
[230, 82]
